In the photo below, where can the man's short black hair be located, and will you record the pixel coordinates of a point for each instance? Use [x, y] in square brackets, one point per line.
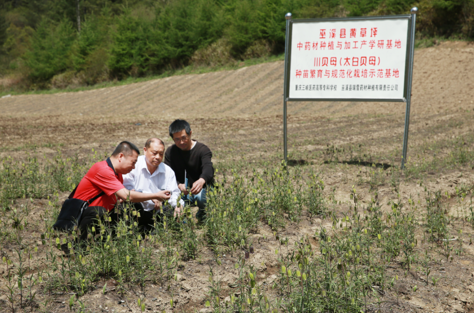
[179, 125]
[126, 148]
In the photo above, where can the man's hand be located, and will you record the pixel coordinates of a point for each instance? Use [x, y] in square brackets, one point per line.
[183, 189]
[197, 186]
[178, 211]
[163, 195]
[157, 203]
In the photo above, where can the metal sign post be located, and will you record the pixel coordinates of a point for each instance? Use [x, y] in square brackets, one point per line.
[349, 59]
[409, 83]
[285, 89]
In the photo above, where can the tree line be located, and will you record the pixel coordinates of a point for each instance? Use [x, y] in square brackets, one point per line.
[83, 42]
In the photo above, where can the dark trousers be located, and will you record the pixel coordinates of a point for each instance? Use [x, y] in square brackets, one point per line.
[90, 218]
[92, 214]
[147, 219]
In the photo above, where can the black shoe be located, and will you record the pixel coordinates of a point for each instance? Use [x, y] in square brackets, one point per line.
[65, 249]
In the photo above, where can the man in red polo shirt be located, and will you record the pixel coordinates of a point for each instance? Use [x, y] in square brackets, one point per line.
[104, 179]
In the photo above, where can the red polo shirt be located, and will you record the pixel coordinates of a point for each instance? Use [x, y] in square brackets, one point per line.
[100, 177]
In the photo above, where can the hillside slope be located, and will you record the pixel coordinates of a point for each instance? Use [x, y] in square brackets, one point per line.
[443, 80]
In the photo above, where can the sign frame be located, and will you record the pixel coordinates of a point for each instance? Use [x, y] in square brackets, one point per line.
[408, 79]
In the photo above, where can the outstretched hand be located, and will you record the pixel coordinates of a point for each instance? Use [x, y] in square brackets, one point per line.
[163, 195]
[183, 189]
[197, 186]
[178, 211]
[157, 203]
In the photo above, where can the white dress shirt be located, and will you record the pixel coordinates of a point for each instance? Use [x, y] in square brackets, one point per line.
[141, 180]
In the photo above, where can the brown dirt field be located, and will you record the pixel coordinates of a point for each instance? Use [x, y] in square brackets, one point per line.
[238, 114]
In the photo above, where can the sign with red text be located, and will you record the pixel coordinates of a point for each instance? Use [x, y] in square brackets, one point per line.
[348, 59]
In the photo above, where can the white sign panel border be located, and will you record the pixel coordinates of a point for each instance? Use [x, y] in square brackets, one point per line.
[291, 46]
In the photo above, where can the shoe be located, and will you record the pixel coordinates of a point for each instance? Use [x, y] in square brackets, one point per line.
[65, 249]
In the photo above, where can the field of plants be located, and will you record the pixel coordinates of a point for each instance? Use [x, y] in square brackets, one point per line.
[340, 228]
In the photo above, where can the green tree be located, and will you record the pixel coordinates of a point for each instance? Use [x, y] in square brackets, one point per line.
[92, 37]
[17, 40]
[127, 54]
[244, 25]
[3, 31]
[183, 27]
[49, 52]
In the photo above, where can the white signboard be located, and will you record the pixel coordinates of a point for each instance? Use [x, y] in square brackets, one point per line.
[362, 59]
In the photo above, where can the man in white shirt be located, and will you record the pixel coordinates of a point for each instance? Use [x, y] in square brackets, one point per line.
[150, 176]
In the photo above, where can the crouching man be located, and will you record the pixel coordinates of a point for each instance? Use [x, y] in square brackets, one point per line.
[192, 164]
[151, 176]
[105, 179]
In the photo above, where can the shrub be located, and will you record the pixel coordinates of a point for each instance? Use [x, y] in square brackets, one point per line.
[64, 80]
[215, 54]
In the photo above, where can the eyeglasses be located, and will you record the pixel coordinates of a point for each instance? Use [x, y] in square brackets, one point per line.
[180, 139]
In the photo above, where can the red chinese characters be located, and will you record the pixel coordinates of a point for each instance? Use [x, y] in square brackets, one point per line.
[348, 45]
[396, 73]
[322, 34]
[349, 73]
[342, 33]
[353, 33]
[373, 32]
[372, 60]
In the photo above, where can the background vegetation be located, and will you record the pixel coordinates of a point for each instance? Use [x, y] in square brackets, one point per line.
[59, 44]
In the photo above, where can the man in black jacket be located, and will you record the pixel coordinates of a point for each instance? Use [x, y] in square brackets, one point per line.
[191, 162]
